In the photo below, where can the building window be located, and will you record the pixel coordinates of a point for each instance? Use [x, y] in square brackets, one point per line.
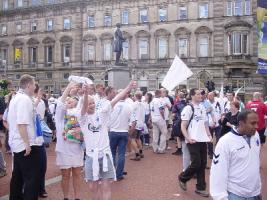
[3, 30]
[91, 21]
[247, 7]
[183, 12]
[5, 4]
[49, 75]
[125, 51]
[49, 25]
[33, 26]
[203, 47]
[66, 53]
[18, 54]
[125, 17]
[18, 28]
[66, 75]
[36, 2]
[143, 15]
[238, 43]
[238, 8]
[67, 24]
[91, 52]
[17, 76]
[162, 15]
[49, 54]
[107, 50]
[3, 56]
[183, 47]
[204, 10]
[51, 1]
[143, 49]
[229, 8]
[107, 20]
[163, 48]
[33, 55]
[19, 3]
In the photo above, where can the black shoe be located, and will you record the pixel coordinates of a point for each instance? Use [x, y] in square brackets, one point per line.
[182, 185]
[136, 158]
[66, 199]
[120, 179]
[124, 173]
[142, 155]
[178, 152]
[202, 193]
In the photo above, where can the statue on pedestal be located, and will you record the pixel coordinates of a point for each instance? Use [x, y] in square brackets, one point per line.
[118, 44]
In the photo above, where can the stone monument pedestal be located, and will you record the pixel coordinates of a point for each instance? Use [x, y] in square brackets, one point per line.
[118, 76]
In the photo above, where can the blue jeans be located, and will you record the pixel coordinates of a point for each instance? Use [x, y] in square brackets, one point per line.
[118, 143]
[232, 196]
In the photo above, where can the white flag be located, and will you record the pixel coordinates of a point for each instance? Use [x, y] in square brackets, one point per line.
[177, 73]
[236, 93]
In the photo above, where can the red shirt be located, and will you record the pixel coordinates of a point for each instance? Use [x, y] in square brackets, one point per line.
[261, 109]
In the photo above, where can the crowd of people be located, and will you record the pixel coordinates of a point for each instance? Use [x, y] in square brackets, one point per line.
[95, 126]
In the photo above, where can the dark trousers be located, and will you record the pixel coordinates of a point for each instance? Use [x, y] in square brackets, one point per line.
[118, 55]
[25, 180]
[6, 141]
[43, 170]
[118, 143]
[213, 131]
[198, 153]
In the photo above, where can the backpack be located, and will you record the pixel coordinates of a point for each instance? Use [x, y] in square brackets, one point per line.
[177, 123]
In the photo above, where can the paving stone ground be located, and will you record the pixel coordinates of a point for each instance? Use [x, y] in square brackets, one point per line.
[152, 178]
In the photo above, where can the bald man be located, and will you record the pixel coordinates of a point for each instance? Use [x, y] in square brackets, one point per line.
[261, 109]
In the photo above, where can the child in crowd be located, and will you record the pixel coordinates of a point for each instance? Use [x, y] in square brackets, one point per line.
[99, 167]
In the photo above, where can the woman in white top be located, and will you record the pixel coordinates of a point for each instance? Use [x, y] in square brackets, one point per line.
[69, 155]
[99, 163]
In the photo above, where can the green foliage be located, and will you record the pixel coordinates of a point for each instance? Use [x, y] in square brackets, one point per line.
[4, 87]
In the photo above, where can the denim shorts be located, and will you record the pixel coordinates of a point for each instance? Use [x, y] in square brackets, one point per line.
[232, 196]
[88, 168]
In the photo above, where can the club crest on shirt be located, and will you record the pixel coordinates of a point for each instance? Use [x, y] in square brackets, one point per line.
[94, 129]
[257, 142]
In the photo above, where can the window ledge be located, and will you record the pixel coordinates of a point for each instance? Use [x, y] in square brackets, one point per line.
[238, 57]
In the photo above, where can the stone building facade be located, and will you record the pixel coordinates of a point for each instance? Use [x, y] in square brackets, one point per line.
[52, 39]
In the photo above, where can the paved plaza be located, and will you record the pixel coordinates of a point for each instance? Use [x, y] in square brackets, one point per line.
[152, 178]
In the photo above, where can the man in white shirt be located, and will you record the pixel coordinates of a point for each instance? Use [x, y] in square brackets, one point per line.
[118, 134]
[23, 143]
[137, 126]
[159, 124]
[167, 107]
[39, 105]
[195, 129]
[230, 98]
[235, 170]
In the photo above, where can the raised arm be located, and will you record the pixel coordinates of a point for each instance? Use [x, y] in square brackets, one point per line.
[85, 99]
[122, 94]
[67, 91]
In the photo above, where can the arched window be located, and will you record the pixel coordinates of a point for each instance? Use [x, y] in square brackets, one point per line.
[162, 41]
[66, 49]
[142, 38]
[18, 52]
[182, 36]
[204, 45]
[107, 47]
[238, 37]
[89, 45]
[49, 45]
[33, 51]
